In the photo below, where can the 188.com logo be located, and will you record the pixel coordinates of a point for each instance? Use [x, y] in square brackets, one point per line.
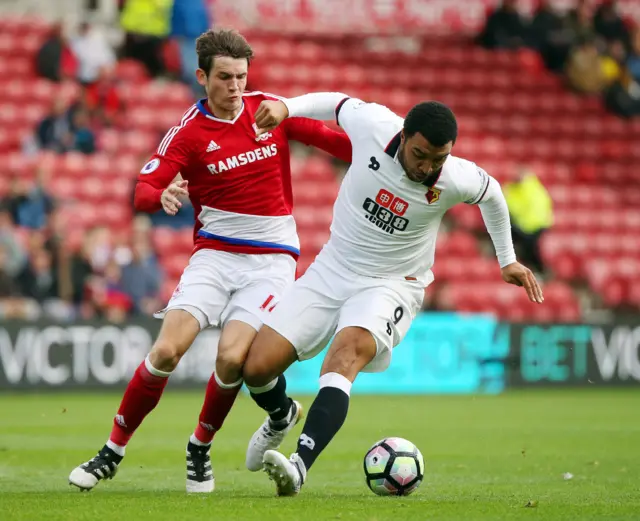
[386, 211]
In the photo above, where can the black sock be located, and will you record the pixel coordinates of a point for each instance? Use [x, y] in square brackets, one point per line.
[326, 416]
[275, 401]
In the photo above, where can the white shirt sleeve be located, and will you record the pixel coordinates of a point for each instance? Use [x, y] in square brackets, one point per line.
[478, 187]
[356, 117]
[318, 105]
[495, 214]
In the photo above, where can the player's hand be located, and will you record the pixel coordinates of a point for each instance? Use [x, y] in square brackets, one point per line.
[269, 115]
[520, 275]
[170, 197]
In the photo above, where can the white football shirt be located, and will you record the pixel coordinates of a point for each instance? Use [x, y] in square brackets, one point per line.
[384, 224]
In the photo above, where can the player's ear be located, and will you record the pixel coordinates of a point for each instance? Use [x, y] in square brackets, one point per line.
[402, 137]
[201, 76]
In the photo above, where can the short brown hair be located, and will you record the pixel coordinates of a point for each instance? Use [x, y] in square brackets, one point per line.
[222, 42]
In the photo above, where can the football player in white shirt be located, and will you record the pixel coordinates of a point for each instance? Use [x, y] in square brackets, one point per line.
[367, 284]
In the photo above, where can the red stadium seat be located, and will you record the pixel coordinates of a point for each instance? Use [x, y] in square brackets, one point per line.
[175, 265]
[131, 71]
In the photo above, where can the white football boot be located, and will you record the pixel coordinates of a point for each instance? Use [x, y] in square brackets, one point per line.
[288, 474]
[267, 438]
[103, 465]
[199, 472]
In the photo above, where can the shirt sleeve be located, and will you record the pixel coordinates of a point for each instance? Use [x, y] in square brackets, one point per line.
[478, 187]
[317, 134]
[495, 215]
[171, 156]
[473, 183]
[322, 106]
[356, 117]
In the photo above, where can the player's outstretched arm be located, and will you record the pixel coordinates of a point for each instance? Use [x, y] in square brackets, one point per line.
[318, 105]
[160, 185]
[317, 134]
[495, 214]
[159, 189]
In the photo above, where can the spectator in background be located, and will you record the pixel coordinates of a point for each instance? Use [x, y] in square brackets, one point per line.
[14, 257]
[609, 24]
[116, 304]
[189, 19]
[31, 207]
[54, 243]
[65, 129]
[575, 28]
[93, 53]
[104, 297]
[584, 69]
[531, 213]
[52, 132]
[93, 257]
[8, 285]
[544, 24]
[141, 280]
[623, 95]
[12, 305]
[81, 137]
[550, 36]
[55, 60]
[579, 22]
[613, 62]
[633, 62]
[38, 280]
[147, 25]
[102, 100]
[505, 28]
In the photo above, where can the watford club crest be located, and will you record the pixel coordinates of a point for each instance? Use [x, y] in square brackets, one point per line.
[432, 195]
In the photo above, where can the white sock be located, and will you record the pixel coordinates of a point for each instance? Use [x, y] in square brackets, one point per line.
[197, 442]
[154, 371]
[336, 380]
[118, 449]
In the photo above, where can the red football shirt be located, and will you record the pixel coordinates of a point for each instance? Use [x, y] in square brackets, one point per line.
[239, 184]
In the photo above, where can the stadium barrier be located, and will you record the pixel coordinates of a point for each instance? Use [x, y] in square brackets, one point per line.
[442, 353]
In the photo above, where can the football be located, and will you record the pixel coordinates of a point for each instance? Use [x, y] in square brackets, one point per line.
[393, 467]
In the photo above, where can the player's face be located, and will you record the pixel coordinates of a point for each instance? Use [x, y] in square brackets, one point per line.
[419, 158]
[225, 83]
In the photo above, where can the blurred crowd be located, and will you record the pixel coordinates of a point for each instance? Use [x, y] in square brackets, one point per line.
[160, 34]
[113, 274]
[110, 276]
[591, 45]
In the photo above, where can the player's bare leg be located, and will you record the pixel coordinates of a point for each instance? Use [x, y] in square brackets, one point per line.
[268, 358]
[222, 390]
[179, 330]
[352, 349]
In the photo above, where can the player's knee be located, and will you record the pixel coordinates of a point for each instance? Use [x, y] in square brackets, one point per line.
[233, 348]
[165, 355]
[352, 349]
[256, 371]
[230, 360]
[179, 330]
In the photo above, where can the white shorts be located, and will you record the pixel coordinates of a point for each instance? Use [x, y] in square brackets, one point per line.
[328, 298]
[218, 286]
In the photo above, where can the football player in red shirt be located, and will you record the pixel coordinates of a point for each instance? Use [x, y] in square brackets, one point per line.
[245, 251]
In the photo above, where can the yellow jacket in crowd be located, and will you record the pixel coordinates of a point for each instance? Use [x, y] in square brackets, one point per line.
[529, 204]
[147, 17]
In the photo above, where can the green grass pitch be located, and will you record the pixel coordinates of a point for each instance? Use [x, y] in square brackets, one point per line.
[486, 457]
